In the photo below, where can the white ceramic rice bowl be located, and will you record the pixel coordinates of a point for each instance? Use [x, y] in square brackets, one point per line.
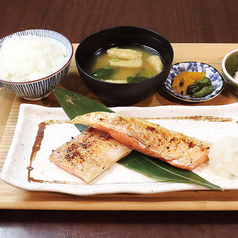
[40, 88]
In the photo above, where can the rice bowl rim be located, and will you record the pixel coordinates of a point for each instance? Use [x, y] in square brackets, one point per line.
[48, 76]
[224, 65]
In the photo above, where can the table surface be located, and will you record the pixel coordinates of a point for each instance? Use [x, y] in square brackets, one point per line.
[186, 21]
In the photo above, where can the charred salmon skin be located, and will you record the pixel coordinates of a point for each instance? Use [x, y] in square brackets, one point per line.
[89, 154]
[151, 139]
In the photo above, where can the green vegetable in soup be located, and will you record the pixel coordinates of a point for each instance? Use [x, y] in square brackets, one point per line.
[136, 79]
[206, 90]
[104, 73]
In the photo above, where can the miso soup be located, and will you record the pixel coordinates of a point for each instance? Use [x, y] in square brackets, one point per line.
[125, 64]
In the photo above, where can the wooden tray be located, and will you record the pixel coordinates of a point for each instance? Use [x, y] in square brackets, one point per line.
[14, 198]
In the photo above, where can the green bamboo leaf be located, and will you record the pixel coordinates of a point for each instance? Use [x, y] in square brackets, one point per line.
[75, 104]
[163, 171]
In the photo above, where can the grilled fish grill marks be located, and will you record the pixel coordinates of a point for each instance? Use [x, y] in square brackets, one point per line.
[89, 154]
[150, 138]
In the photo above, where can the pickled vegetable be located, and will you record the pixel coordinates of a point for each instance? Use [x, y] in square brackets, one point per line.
[183, 80]
[193, 83]
[198, 85]
[206, 90]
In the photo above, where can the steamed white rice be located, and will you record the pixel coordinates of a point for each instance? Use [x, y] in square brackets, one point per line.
[26, 58]
[236, 76]
[223, 157]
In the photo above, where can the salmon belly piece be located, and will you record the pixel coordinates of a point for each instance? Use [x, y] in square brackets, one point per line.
[151, 139]
[89, 154]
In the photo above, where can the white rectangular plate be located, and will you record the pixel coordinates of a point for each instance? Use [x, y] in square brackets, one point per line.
[118, 179]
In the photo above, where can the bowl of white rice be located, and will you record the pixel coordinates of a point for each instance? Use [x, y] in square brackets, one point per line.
[230, 71]
[32, 61]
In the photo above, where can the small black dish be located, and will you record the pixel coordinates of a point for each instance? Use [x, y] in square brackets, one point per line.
[125, 94]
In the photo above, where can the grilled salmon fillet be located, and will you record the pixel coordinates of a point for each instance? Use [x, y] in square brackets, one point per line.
[89, 154]
[148, 138]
